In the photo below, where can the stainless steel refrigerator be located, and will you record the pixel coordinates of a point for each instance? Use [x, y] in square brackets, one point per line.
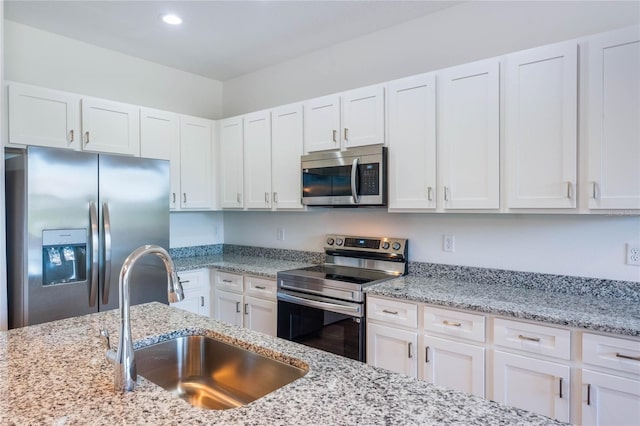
[72, 219]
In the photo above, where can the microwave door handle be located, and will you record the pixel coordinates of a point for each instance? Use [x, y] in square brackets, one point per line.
[354, 177]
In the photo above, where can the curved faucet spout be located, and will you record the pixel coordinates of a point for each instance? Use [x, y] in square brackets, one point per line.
[125, 365]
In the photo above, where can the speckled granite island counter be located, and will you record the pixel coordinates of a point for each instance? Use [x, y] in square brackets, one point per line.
[57, 373]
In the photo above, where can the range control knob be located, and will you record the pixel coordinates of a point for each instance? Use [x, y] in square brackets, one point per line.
[339, 241]
[329, 241]
[396, 246]
[385, 245]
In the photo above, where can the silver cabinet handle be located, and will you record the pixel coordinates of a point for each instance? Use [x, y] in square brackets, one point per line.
[237, 307]
[93, 223]
[185, 281]
[275, 197]
[569, 190]
[71, 135]
[246, 309]
[594, 190]
[426, 354]
[335, 136]
[238, 197]
[390, 312]
[266, 198]
[409, 350]
[446, 193]
[260, 287]
[106, 223]
[531, 339]
[633, 358]
[173, 194]
[346, 134]
[429, 193]
[453, 324]
[86, 136]
[318, 302]
[588, 394]
[227, 281]
[560, 388]
[354, 176]
[184, 197]
[201, 300]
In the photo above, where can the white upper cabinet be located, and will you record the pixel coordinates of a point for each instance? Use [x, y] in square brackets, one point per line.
[110, 127]
[160, 139]
[231, 162]
[614, 120]
[541, 127]
[43, 117]
[286, 149]
[196, 177]
[257, 160]
[469, 136]
[412, 142]
[363, 117]
[322, 123]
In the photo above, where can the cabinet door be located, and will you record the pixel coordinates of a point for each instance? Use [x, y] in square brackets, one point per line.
[609, 399]
[260, 315]
[541, 127]
[110, 127]
[257, 160]
[196, 301]
[228, 307]
[531, 384]
[160, 139]
[469, 135]
[392, 348]
[455, 365]
[196, 177]
[286, 149]
[412, 142]
[231, 163]
[363, 117]
[614, 126]
[43, 117]
[322, 123]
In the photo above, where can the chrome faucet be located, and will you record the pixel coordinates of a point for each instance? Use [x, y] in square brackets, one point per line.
[124, 360]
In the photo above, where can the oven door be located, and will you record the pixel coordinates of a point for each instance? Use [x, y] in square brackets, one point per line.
[330, 325]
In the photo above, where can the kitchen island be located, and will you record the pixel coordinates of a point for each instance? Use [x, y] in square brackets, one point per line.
[57, 373]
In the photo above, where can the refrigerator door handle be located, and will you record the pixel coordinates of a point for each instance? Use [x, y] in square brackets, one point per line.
[106, 223]
[93, 223]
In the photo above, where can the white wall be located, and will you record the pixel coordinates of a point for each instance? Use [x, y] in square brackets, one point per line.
[45, 59]
[467, 32]
[196, 229]
[587, 246]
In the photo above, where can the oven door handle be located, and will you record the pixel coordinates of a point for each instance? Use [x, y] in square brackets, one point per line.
[354, 184]
[313, 302]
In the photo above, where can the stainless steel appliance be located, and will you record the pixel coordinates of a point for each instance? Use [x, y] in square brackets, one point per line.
[72, 219]
[323, 306]
[353, 178]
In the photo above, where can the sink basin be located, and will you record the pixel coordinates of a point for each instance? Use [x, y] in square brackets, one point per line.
[209, 373]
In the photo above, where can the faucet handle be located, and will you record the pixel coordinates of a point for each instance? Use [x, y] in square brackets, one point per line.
[111, 354]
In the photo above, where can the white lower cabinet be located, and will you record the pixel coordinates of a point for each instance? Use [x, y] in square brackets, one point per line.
[246, 301]
[609, 400]
[532, 384]
[197, 292]
[392, 348]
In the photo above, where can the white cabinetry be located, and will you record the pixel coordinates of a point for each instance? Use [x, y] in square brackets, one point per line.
[197, 292]
[160, 139]
[247, 301]
[392, 338]
[541, 127]
[469, 135]
[196, 177]
[322, 123]
[110, 127]
[257, 160]
[231, 164]
[608, 397]
[286, 149]
[614, 125]
[411, 113]
[43, 117]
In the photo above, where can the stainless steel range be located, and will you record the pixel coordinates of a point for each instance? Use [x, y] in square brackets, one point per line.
[323, 306]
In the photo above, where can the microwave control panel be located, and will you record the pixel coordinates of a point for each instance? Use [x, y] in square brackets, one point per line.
[369, 179]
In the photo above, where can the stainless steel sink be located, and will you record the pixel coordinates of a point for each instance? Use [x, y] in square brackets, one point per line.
[209, 373]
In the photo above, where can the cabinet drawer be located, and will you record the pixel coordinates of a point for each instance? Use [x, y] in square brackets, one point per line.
[393, 312]
[454, 323]
[611, 352]
[537, 339]
[260, 287]
[192, 280]
[227, 281]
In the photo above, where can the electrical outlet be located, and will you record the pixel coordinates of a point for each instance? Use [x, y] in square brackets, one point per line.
[280, 234]
[449, 243]
[633, 254]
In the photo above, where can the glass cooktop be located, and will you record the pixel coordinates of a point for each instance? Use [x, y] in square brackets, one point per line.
[340, 273]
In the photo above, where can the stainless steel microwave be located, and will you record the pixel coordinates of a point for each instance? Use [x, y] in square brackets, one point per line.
[353, 178]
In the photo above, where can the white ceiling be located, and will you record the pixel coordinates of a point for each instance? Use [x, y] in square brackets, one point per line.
[218, 39]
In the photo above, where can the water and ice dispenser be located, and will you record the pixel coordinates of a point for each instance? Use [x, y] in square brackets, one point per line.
[64, 256]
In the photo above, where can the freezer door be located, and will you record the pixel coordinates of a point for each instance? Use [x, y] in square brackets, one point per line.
[49, 194]
[133, 212]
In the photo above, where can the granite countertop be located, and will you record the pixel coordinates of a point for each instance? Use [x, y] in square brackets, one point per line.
[239, 264]
[593, 313]
[57, 373]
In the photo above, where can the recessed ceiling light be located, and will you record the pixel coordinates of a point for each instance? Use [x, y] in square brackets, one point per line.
[172, 19]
